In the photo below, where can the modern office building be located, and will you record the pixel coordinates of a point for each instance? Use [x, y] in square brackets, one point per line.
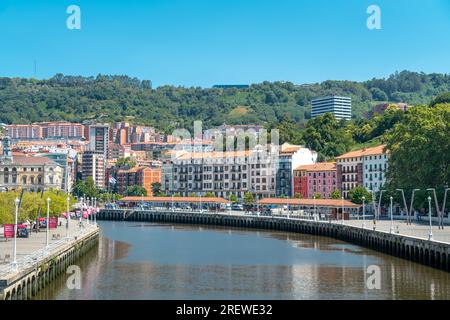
[340, 107]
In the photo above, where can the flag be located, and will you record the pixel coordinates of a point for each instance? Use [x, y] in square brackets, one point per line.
[112, 180]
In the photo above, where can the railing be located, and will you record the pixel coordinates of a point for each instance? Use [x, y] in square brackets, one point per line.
[40, 255]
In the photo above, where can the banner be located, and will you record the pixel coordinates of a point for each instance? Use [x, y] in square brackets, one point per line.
[53, 222]
[8, 230]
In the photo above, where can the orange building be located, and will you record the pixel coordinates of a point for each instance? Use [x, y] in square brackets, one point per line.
[137, 176]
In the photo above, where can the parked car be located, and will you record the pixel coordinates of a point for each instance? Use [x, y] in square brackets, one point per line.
[237, 207]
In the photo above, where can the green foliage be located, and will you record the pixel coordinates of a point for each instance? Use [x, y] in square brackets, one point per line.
[441, 99]
[356, 195]
[419, 147]
[136, 191]
[31, 203]
[156, 189]
[86, 188]
[298, 195]
[233, 198]
[115, 98]
[209, 195]
[126, 162]
[317, 195]
[336, 194]
[248, 198]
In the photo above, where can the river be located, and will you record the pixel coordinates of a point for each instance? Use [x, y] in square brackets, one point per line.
[163, 261]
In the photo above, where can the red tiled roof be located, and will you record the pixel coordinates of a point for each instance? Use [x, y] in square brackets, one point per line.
[364, 152]
[320, 166]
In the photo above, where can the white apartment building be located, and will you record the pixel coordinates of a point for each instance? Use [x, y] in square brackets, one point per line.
[340, 107]
[364, 167]
[93, 165]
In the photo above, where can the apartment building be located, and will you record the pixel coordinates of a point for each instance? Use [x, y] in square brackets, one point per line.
[365, 167]
[137, 176]
[340, 107]
[291, 157]
[46, 130]
[319, 178]
[223, 173]
[93, 165]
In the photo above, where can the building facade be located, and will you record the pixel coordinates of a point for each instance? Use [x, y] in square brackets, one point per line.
[138, 176]
[290, 157]
[93, 165]
[340, 107]
[319, 178]
[46, 130]
[99, 139]
[359, 168]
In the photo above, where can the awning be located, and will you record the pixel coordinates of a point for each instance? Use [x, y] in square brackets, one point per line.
[327, 203]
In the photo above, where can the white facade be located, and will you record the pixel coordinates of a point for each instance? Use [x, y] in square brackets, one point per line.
[374, 171]
[340, 107]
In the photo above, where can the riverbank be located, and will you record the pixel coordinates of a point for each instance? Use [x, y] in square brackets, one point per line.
[433, 253]
[38, 265]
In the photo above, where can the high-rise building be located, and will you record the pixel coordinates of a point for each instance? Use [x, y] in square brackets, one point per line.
[340, 107]
[99, 138]
[94, 166]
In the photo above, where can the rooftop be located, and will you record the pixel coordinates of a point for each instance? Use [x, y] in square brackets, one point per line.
[176, 199]
[329, 203]
[364, 152]
[320, 166]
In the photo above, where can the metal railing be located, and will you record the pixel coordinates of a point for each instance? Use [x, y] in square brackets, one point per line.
[40, 255]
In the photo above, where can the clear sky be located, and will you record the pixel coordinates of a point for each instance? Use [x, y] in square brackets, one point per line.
[206, 42]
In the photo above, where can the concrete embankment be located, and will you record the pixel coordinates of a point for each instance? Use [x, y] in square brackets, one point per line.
[38, 269]
[435, 254]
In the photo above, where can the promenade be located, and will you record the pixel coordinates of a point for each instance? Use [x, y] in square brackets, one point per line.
[35, 241]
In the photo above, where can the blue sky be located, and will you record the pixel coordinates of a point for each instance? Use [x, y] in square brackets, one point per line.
[206, 42]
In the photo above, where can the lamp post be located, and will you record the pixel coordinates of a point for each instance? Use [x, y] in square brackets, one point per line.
[48, 224]
[379, 204]
[430, 236]
[439, 214]
[95, 211]
[412, 203]
[82, 209]
[14, 263]
[314, 197]
[404, 203]
[342, 210]
[67, 218]
[364, 210]
[392, 216]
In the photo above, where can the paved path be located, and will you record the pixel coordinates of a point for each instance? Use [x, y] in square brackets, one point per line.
[27, 246]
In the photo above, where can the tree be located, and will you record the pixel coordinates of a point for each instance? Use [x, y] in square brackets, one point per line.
[233, 198]
[86, 188]
[336, 194]
[126, 162]
[248, 198]
[443, 98]
[156, 189]
[298, 195]
[419, 149]
[317, 195]
[136, 191]
[209, 195]
[356, 195]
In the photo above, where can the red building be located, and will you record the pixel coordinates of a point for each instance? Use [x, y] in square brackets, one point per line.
[319, 178]
[138, 176]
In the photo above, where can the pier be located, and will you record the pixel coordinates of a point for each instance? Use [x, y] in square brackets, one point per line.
[407, 242]
[37, 264]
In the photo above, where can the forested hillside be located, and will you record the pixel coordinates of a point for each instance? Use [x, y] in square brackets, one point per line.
[108, 98]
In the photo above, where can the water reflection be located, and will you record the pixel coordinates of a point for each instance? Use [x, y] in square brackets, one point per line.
[153, 261]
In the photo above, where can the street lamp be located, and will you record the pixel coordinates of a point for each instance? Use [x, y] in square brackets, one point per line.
[82, 209]
[364, 210]
[392, 215]
[437, 206]
[430, 236]
[67, 218]
[379, 204]
[412, 203]
[14, 263]
[95, 211]
[314, 207]
[342, 210]
[48, 224]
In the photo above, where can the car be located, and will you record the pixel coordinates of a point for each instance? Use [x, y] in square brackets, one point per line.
[237, 207]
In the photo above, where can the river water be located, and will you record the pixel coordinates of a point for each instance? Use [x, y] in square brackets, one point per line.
[162, 261]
